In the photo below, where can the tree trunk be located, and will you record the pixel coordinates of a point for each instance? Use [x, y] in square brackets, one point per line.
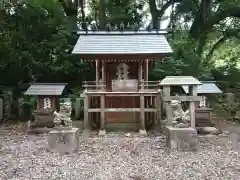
[82, 10]
[154, 13]
[82, 13]
[157, 14]
[71, 10]
[102, 14]
[200, 26]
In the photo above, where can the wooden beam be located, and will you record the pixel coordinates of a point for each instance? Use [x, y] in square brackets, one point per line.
[142, 117]
[192, 105]
[138, 93]
[158, 108]
[97, 70]
[122, 110]
[103, 71]
[38, 102]
[102, 123]
[94, 110]
[53, 102]
[181, 98]
[86, 106]
[96, 85]
[146, 72]
[141, 71]
[166, 93]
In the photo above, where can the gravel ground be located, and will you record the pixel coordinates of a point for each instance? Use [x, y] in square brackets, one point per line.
[119, 157]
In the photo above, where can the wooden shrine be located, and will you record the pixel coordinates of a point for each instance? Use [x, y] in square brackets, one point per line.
[121, 95]
[47, 97]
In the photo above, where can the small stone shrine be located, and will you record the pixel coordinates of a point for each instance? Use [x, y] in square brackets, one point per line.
[64, 138]
[180, 128]
[47, 95]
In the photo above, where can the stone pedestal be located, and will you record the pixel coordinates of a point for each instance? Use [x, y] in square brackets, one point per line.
[42, 118]
[143, 132]
[182, 139]
[102, 132]
[63, 141]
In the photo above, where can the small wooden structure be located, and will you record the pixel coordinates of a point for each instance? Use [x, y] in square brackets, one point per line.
[203, 109]
[47, 95]
[121, 95]
[170, 81]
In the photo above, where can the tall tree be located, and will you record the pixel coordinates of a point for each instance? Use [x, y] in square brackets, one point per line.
[203, 15]
[102, 14]
[116, 11]
[37, 44]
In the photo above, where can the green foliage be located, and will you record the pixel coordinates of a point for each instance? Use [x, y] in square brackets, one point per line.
[225, 109]
[185, 61]
[117, 11]
[26, 105]
[37, 40]
[37, 44]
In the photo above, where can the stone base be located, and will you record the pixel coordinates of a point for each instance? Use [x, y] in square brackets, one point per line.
[102, 132]
[143, 132]
[182, 139]
[65, 141]
[39, 130]
[208, 130]
[42, 118]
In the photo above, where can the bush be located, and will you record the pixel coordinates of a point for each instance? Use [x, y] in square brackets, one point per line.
[27, 105]
[225, 109]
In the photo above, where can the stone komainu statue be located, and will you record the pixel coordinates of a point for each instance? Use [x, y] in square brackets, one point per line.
[180, 117]
[63, 118]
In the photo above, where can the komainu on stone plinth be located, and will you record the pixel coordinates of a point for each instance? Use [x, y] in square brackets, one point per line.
[63, 118]
[63, 141]
[181, 119]
[182, 139]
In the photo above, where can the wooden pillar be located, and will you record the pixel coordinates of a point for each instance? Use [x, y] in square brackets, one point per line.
[166, 93]
[38, 102]
[103, 71]
[192, 106]
[142, 117]
[102, 122]
[140, 75]
[53, 103]
[103, 77]
[141, 71]
[97, 70]
[86, 105]
[158, 109]
[146, 71]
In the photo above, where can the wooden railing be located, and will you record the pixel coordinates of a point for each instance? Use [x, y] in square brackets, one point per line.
[94, 86]
[148, 85]
[100, 86]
